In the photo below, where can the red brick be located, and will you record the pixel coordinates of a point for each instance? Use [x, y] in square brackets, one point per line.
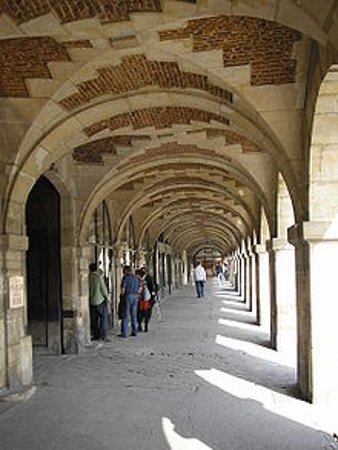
[136, 72]
[156, 117]
[266, 46]
[23, 58]
[233, 138]
[71, 10]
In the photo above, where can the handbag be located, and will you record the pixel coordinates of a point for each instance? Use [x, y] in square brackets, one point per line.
[146, 293]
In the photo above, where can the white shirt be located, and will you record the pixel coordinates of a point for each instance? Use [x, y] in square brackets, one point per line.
[199, 273]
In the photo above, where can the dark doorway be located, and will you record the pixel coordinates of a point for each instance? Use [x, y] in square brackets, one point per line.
[43, 267]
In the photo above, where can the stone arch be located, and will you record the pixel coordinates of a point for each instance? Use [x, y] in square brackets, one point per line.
[323, 161]
[316, 242]
[171, 205]
[44, 153]
[285, 272]
[117, 177]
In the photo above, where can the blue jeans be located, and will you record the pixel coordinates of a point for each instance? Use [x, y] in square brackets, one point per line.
[131, 308]
[199, 288]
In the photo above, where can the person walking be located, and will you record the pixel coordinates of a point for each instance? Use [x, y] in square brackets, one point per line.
[225, 271]
[129, 289]
[219, 273]
[152, 287]
[200, 279]
[98, 298]
[143, 304]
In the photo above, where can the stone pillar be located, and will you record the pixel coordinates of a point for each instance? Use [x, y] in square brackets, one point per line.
[16, 359]
[263, 286]
[235, 272]
[283, 317]
[79, 326]
[118, 273]
[186, 267]
[317, 261]
[250, 279]
[243, 281]
[140, 259]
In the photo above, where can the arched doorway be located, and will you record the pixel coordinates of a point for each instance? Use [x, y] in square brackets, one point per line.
[43, 268]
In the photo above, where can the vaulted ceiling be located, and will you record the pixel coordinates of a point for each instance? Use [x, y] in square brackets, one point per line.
[179, 113]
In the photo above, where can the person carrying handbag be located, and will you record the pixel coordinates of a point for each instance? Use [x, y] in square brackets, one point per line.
[144, 302]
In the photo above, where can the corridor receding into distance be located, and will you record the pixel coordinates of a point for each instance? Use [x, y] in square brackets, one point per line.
[192, 382]
[176, 140]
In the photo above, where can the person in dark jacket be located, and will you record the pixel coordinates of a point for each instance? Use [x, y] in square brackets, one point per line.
[143, 304]
[152, 287]
[98, 298]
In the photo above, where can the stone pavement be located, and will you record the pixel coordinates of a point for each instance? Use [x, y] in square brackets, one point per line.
[202, 378]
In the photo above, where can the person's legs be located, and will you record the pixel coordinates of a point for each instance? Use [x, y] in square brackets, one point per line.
[220, 279]
[198, 292]
[125, 320]
[133, 315]
[202, 288]
[95, 322]
[139, 319]
[103, 316]
[146, 319]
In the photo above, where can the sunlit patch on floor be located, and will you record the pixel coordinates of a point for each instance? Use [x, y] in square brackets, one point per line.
[241, 325]
[258, 351]
[236, 311]
[277, 403]
[178, 442]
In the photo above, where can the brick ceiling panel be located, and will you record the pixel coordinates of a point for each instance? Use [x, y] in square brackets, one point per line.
[155, 117]
[233, 138]
[24, 58]
[72, 10]
[136, 72]
[266, 46]
[91, 153]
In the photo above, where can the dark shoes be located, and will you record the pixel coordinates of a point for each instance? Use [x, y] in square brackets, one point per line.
[121, 335]
[133, 334]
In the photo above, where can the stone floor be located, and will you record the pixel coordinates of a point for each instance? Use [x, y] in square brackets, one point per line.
[202, 378]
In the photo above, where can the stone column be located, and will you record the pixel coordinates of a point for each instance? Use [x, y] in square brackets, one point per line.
[140, 258]
[317, 261]
[263, 286]
[236, 271]
[250, 279]
[16, 346]
[255, 281]
[79, 326]
[186, 267]
[243, 281]
[283, 305]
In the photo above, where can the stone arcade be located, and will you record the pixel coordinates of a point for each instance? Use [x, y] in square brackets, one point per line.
[145, 131]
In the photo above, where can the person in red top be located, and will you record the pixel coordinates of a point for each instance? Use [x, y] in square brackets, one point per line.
[144, 304]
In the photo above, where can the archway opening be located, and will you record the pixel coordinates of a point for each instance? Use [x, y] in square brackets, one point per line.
[44, 308]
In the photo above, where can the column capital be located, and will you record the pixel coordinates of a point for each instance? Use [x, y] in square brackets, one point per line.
[312, 232]
[259, 249]
[161, 247]
[243, 254]
[16, 242]
[277, 244]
